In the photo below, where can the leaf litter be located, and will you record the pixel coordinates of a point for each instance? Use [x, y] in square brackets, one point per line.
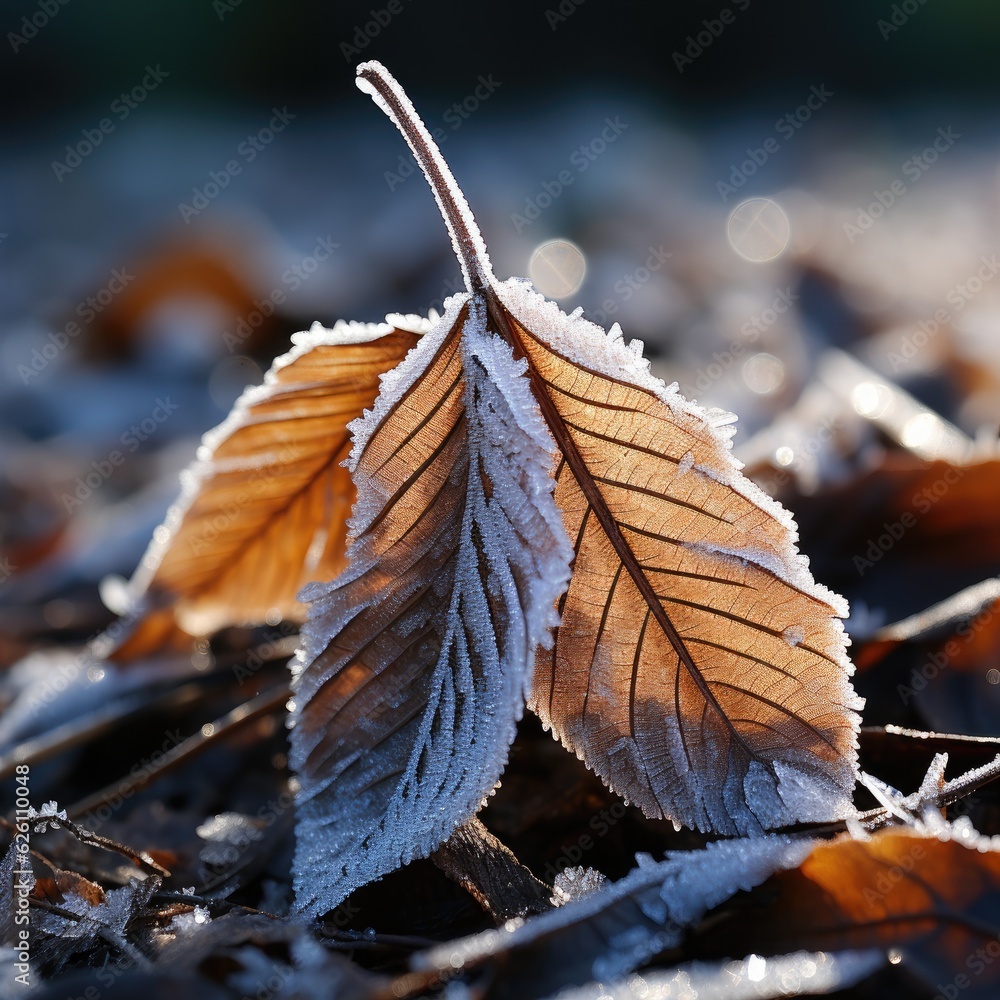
[536, 455]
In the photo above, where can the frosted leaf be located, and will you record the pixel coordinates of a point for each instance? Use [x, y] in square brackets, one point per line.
[263, 510]
[108, 920]
[699, 669]
[802, 973]
[608, 933]
[574, 883]
[670, 673]
[416, 660]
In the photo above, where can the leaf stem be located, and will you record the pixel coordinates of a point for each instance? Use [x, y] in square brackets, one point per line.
[376, 81]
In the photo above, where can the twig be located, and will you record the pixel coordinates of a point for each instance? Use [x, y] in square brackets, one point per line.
[138, 858]
[241, 716]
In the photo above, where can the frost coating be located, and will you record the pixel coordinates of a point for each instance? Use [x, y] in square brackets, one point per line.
[236, 466]
[729, 581]
[460, 599]
[654, 903]
[414, 666]
[466, 239]
[587, 344]
[801, 973]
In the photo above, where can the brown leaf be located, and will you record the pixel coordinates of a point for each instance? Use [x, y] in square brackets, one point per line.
[698, 667]
[906, 534]
[965, 628]
[71, 883]
[416, 660]
[264, 508]
[936, 900]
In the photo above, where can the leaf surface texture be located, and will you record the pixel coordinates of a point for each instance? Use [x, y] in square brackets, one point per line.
[417, 659]
[698, 668]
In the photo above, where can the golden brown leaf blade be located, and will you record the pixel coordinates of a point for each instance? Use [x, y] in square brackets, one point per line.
[933, 898]
[264, 508]
[698, 669]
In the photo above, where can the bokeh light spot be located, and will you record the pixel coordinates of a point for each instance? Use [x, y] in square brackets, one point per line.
[763, 373]
[557, 268]
[758, 229]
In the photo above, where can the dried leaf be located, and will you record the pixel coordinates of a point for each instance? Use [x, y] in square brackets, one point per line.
[264, 508]
[932, 897]
[698, 668]
[973, 614]
[619, 928]
[918, 532]
[79, 924]
[416, 661]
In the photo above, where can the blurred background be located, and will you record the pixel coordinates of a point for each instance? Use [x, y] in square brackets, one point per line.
[795, 208]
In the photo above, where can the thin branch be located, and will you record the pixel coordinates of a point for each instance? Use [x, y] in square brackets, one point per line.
[267, 703]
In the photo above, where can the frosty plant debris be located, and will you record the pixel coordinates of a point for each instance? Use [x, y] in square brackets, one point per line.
[527, 517]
